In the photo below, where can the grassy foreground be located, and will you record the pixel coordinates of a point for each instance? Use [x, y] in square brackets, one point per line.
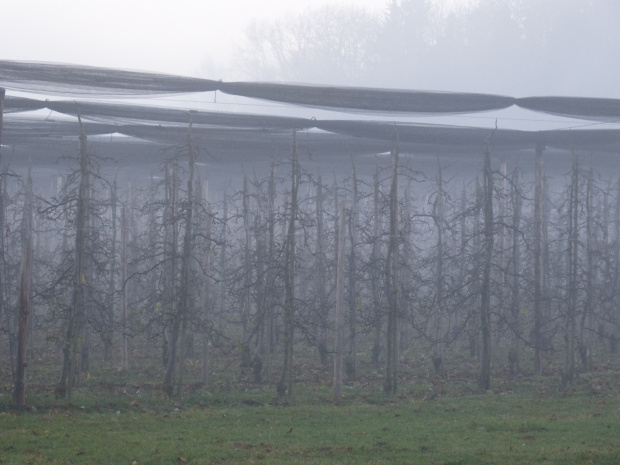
[472, 429]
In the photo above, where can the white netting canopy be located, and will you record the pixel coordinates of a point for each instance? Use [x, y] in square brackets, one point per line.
[228, 133]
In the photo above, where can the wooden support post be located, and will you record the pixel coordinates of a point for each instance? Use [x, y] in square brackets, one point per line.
[285, 385]
[25, 306]
[392, 285]
[339, 336]
[2, 93]
[484, 376]
[538, 260]
[2, 196]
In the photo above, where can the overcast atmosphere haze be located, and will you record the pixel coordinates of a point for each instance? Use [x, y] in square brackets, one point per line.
[177, 37]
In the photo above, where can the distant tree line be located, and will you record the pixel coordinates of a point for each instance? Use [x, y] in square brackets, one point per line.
[491, 46]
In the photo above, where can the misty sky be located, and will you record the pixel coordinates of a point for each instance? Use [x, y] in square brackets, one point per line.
[189, 37]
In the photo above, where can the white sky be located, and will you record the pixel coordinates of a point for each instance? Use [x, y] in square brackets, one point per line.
[186, 37]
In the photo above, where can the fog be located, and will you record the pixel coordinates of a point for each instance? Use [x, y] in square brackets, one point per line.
[467, 151]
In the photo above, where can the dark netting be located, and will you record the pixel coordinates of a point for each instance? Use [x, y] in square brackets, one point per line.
[425, 137]
[598, 109]
[226, 153]
[432, 134]
[23, 130]
[54, 78]
[246, 142]
[235, 145]
[369, 99]
[19, 104]
[126, 114]
[605, 140]
[204, 136]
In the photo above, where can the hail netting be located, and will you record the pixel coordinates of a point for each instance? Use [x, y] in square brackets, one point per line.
[459, 137]
[369, 99]
[122, 114]
[117, 115]
[87, 80]
[259, 133]
[233, 132]
[17, 130]
[597, 109]
[53, 78]
[250, 134]
[14, 104]
[65, 79]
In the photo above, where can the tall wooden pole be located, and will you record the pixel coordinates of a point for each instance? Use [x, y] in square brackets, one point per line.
[438, 217]
[270, 298]
[108, 337]
[320, 276]
[186, 268]
[351, 363]
[538, 260]
[123, 296]
[374, 271]
[392, 286]
[285, 385]
[484, 376]
[25, 307]
[513, 355]
[2, 196]
[206, 289]
[339, 336]
[615, 330]
[69, 375]
[501, 242]
[573, 270]
[2, 94]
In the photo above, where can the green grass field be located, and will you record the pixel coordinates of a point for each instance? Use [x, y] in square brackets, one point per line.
[118, 417]
[248, 427]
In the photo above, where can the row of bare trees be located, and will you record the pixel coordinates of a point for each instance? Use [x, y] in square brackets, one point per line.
[377, 268]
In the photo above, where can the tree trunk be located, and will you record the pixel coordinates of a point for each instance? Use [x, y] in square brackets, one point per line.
[270, 298]
[476, 282]
[392, 286]
[25, 307]
[615, 324]
[4, 314]
[206, 292]
[173, 377]
[2, 216]
[375, 273]
[499, 305]
[438, 218]
[590, 298]
[2, 94]
[108, 320]
[484, 376]
[322, 305]
[538, 261]
[514, 355]
[123, 296]
[571, 307]
[75, 325]
[247, 279]
[351, 360]
[285, 385]
[171, 246]
[339, 336]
